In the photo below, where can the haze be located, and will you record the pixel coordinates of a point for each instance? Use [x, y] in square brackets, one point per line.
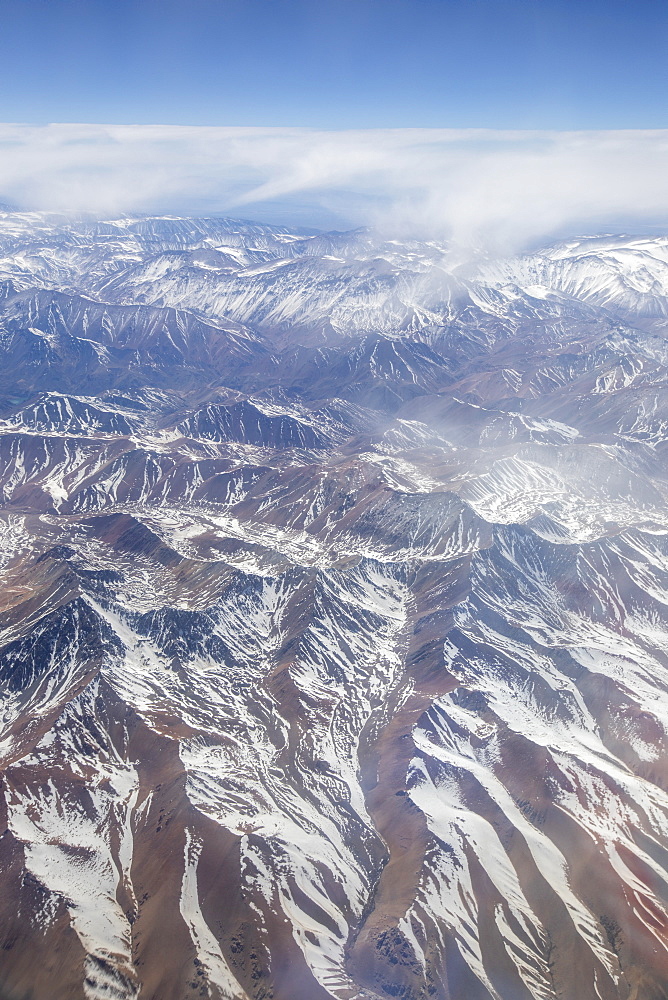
[495, 188]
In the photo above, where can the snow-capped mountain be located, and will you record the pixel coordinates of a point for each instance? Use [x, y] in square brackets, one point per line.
[334, 652]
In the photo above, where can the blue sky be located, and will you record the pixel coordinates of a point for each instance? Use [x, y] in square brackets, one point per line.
[482, 121]
[335, 64]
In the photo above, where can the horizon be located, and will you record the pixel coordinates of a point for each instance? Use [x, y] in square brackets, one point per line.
[491, 188]
[621, 232]
[482, 122]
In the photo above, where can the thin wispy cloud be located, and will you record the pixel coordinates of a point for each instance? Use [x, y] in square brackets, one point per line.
[474, 186]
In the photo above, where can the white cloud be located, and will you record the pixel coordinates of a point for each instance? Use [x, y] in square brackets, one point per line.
[476, 185]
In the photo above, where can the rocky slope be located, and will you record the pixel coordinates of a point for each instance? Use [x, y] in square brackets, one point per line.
[334, 650]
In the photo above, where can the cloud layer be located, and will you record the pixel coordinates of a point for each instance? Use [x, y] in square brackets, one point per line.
[497, 188]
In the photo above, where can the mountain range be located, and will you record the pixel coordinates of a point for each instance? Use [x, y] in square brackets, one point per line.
[334, 615]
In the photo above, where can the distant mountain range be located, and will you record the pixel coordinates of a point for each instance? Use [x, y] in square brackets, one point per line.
[334, 615]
